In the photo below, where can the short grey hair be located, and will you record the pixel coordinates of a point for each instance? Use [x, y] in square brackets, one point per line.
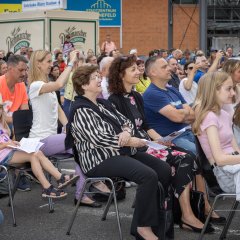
[14, 60]
[149, 63]
[104, 62]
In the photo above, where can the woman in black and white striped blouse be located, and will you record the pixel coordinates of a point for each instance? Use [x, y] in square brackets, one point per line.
[103, 138]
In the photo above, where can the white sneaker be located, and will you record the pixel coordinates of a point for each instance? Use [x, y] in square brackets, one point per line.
[127, 184]
[133, 184]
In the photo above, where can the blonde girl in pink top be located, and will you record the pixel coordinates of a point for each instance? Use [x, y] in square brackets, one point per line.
[213, 126]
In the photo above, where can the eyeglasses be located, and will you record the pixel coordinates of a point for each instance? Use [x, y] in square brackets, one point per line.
[190, 68]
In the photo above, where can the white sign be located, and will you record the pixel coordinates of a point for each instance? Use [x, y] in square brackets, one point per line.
[82, 33]
[17, 34]
[43, 5]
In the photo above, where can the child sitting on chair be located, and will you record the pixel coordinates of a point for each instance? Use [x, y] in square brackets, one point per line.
[10, 156]
[213, 126]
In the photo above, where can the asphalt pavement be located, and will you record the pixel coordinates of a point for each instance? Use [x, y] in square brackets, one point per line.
[34, 222]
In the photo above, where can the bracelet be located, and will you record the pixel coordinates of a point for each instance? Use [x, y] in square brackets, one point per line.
[70, 64]
[128, 130]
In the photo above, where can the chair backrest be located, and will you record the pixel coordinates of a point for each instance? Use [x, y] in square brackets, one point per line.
[205, 165]
[22, 123]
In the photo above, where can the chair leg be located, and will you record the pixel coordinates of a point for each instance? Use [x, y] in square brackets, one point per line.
[51, 205]
[14, 189]
[113, 196]
[11, 200]
[76, 208]
[117, 213]
[105, 212]
[229, 220]
[208, 218]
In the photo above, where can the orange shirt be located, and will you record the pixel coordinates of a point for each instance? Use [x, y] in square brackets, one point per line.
[12, 100]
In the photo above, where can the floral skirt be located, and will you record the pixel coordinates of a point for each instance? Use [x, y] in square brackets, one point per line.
[182, 164]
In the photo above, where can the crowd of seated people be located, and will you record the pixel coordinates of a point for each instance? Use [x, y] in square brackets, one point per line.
[111, 105]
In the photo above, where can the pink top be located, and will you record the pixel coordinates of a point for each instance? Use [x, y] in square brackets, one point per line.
[107, 47]
[223, 122]
[4, 138]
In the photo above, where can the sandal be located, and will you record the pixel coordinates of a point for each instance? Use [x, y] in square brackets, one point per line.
[63, 182]
[52, 192]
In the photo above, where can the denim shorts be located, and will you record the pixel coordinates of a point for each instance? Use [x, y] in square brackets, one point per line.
[7, 158]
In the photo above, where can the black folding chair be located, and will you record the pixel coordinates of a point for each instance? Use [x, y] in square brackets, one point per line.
[22, 123]
[112, 196]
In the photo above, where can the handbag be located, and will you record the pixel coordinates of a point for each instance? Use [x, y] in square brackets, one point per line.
[165, 228]
[197, 204]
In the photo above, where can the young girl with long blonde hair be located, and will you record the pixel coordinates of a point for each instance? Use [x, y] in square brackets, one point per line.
[213, 126]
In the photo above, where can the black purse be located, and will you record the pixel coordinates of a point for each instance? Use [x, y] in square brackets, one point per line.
[197, 204]
[166, 223]
[165, 228]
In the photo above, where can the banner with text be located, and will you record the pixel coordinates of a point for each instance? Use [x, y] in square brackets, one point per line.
[5, 8]
[17, 34]
[109, 10]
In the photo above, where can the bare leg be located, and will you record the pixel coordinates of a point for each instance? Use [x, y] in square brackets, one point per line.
[22, 157]
[187, 213]
[146, 233]
[101, 186]
[48, 166]
[201, 186]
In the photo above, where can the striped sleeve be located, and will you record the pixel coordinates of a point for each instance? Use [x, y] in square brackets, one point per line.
[91, 128]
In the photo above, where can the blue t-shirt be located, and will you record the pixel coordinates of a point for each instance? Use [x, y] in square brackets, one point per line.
[198, 75]
[154, 100]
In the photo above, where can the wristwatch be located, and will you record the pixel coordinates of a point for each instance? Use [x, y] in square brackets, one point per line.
[70, 64]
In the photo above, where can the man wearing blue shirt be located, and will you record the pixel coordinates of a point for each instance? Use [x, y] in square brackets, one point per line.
[165, 109]
[204, 65]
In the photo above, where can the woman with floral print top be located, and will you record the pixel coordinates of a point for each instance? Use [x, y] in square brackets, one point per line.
[122, 78]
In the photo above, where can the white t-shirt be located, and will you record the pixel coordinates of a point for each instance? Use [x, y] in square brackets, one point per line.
[45, 112]
[190, 95]
[104, 85]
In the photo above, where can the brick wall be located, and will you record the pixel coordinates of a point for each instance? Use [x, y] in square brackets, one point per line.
[145, 26]
[181, 20]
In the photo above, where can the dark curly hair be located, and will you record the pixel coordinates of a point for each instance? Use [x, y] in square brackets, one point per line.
[117, 72]
[81, 77]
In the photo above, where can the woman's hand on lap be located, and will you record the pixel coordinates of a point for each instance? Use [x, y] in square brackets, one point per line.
[124, 137]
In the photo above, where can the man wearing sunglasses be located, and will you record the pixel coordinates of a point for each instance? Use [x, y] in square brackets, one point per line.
[188, 88]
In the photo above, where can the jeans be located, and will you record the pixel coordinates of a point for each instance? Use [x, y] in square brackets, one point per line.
[66, 107]
[187, 141]
[1, 217]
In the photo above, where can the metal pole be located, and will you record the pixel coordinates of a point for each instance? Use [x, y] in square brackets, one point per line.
[203, 25]
[170, 24]
[121, 30]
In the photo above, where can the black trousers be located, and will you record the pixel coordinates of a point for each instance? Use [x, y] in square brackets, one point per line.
[146, 171]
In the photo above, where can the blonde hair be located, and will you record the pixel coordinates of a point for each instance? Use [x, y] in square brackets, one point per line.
[35, 73]
[231, 65]
[4, 122]
[206, 97]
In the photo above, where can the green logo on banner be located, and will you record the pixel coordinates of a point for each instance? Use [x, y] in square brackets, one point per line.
[21, 44]
[75, 35]
[18, 39]
[78, 39]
